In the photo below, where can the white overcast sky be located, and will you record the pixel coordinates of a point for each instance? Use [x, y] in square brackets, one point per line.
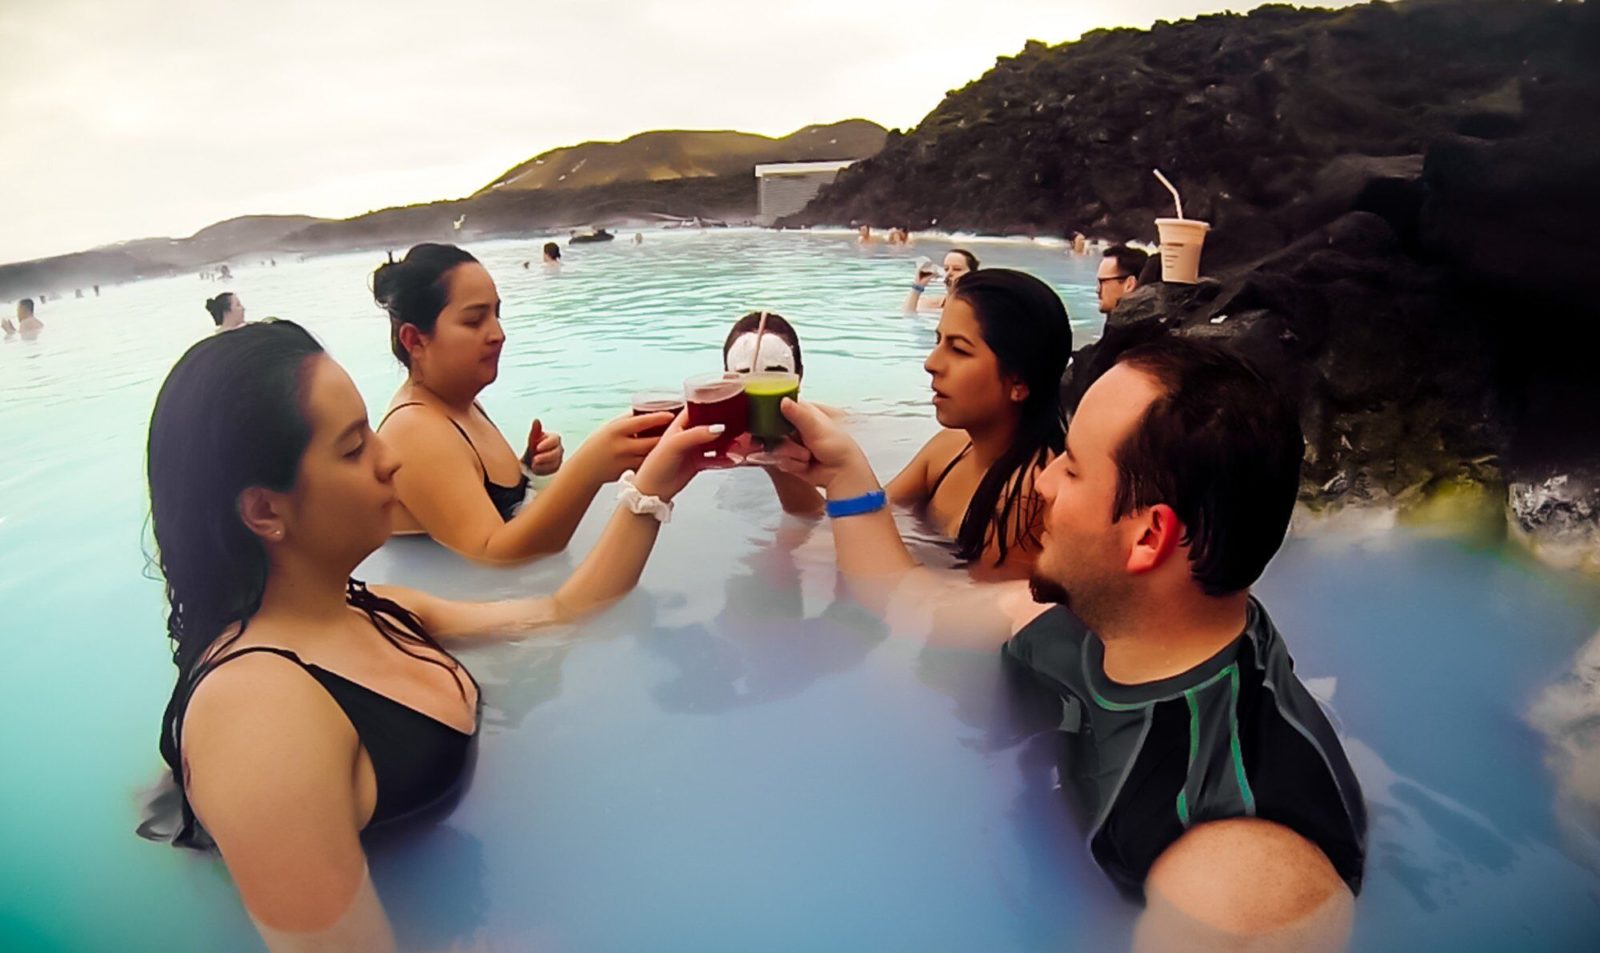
[132, 118]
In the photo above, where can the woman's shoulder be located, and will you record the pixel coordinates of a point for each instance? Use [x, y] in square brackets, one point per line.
[256, 698]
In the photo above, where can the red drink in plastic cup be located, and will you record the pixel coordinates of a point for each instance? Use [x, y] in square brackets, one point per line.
[717, 399]
[656, 402]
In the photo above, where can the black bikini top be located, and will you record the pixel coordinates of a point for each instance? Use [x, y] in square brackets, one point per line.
[506, 499]
[417, 759]
[939, 480]
[420, 763]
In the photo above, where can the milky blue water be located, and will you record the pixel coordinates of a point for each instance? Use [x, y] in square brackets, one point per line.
[734, 757]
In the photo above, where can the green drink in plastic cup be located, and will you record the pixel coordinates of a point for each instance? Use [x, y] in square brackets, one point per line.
[765, 391]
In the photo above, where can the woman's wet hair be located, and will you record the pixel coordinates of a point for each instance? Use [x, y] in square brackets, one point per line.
[1025, 324]
[218, 306]
[231, 415]
[415, 289]
[552, 250]
[776, 324]
[972, 260]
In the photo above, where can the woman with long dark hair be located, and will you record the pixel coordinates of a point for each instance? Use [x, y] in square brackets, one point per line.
[226, 310]
[1003, 344]
[444, 327]
[310, 707]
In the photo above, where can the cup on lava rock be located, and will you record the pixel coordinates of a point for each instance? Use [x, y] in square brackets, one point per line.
[1181, 242]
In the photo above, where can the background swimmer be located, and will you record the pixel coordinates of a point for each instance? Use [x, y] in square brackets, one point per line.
[226, 310]
[957, 262]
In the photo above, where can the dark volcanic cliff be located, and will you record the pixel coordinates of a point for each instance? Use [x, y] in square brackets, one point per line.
[1402, 198]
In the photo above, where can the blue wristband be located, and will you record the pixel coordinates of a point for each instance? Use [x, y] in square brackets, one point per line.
[919, 289]
[857, 505]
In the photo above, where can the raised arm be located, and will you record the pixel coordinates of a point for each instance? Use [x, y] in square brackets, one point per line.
[440, 484]
[270, 762]
[610, 570]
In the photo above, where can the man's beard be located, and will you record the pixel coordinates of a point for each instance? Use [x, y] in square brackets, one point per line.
[1046, 590]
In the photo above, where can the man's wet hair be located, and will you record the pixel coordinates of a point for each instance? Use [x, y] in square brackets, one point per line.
[1222, 447]
[26, 304]
[1130, 261]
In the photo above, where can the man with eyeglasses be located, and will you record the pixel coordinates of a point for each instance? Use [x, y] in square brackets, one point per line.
[1118, 274]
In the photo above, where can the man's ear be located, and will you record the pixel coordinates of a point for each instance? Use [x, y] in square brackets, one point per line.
[1158, 539]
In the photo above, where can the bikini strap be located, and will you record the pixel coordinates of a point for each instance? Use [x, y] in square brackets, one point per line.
[939, 481]
[409, 403]
[452, 420]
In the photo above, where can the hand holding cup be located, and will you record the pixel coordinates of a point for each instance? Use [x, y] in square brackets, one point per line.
[677, 457]
[820, 452]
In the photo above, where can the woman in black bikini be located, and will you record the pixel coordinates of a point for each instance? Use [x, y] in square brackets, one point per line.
[1003, 344]
[468, 485]
[310, 708]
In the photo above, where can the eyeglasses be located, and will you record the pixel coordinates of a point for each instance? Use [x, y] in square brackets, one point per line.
[1113, 278]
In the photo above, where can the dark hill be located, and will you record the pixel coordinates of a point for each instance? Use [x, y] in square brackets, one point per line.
[1402, 198]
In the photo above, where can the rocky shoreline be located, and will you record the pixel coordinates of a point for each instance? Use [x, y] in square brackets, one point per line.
[1402, 199]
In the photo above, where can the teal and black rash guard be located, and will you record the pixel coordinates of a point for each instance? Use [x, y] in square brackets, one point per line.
[1236, 736]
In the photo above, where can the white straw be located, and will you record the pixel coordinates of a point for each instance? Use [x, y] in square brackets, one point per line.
[761, 330]
[1176, 201]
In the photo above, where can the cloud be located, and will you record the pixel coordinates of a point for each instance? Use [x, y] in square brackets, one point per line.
[148, 117]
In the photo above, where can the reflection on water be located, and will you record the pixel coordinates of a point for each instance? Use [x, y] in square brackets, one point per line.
[737, 756]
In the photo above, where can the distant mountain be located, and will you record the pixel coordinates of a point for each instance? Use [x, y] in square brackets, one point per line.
[687, 154]
[152, 257]
[664, 175]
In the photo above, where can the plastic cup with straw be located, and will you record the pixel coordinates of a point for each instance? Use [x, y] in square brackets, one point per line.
[765, 391]
[1181, 241]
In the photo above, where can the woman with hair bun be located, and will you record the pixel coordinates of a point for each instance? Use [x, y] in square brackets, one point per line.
[466, 486]
[226, 311]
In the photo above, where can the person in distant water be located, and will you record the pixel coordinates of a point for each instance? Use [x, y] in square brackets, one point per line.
[97, 291]
[310, 708]
[226, 310]
[1080, 243]
[957, 262]
[638, 238]
[1118, 274]
[1212, 784]
[6, 326]
[552, 257]
[26, 322]
[864, 236]
[460, 480]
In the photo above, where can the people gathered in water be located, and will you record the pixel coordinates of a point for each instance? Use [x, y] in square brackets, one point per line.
[958, 262]
[310, 707]
[469, 487]
[226, 310]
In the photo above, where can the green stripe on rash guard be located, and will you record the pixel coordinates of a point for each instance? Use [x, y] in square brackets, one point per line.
[1194, 752]
[1233, 742]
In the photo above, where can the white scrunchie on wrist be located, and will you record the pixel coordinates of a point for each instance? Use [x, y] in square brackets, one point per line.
[628, 495]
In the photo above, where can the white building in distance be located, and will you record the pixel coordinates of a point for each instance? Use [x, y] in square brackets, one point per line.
[786, 187]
